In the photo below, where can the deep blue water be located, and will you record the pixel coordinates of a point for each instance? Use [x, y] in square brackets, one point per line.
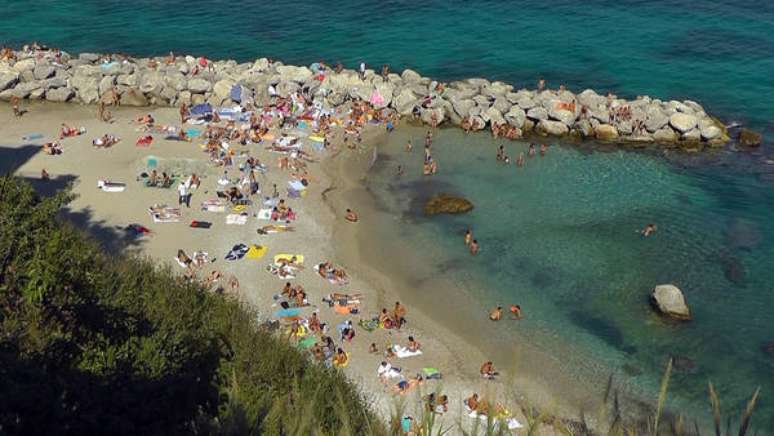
[558, 236]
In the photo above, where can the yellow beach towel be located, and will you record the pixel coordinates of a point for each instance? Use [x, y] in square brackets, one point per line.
[288, 257]
[256, 251]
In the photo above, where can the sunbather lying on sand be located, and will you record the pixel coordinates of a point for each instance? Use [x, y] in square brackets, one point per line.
[183, 259]
[105, 141]
[333, 275]
[405, 386]
[351, 216]
[52, 148]
[67, 131]
[146, 120]
[341, 359]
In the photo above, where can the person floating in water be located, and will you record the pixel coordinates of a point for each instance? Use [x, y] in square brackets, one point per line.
[543, 149]
[468, 237]
[516, 311]
[496, 314]
[474, 247]
[648, 230]
[531, 150]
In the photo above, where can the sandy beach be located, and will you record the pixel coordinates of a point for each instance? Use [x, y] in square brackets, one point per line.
[321, 235]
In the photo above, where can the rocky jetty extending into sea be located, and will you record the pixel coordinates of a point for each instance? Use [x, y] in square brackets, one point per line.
[474, 104]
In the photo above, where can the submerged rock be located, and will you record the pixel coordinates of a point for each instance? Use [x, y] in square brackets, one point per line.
[749, 138]
[669, 300]
[445, 203]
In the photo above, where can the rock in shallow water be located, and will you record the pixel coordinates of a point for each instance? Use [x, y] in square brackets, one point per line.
[445, 203]
[669, 300]
[749, 138]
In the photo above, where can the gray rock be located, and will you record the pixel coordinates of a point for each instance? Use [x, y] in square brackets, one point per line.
[133, 97]
[516, 116]
[130, 80]
[152, 83]
[295, 74]
[184, 98]
[222, 88]
[409, 76]
[286, 88]
[43, 71]
[55, 82]
[693, 135]
[555, 128]
[655, 119]
[106, 84]
[665, 135]
[405, 102]
[428, 113]
[591, 99]
[606, 132]
[37, 94]
[565, 116]
[584, 128]
[682, 122]
[502, 105]
[89, 57]
[601, 115]
[669, 300]
[199, 86]
[23, 90]
[24, 65]
[625, 127]
[60, 95]
[493, 116]
[8, 79]
[710, 132]
[537, 113]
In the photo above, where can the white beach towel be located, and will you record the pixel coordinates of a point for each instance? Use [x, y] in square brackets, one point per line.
[107, 186]
[264, 214]
[403, 352]
[236, 219]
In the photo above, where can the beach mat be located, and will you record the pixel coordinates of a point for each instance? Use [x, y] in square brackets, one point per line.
[201, 224]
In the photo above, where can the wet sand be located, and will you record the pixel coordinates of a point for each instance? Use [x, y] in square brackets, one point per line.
[321, 234]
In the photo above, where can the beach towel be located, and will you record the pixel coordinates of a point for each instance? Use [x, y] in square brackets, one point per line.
[369, 325]
[288, 257]
[201, 224]
[236, 219]
[213, 206]
[237, 252]
[287, 313]
[201, 110]
[264, 214]
[144, 141]
[431, 373]
[256, 251]
[236, 93]
[193, 133]
[32, 137]
[274, 228]
[271, 202]
[281, 273]
[296, 185]
[108, 186]
[403, 352]
[345, 309]
[306, 343]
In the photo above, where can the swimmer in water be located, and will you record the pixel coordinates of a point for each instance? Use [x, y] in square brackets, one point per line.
[516, 311]
[468, 237]
[650, 228]
[474, 247]
[496, 314]
[409, 146]
[543, 149]
[531, 150]
[400, 170]
[520, 160]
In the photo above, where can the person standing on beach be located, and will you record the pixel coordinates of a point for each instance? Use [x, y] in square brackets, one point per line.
[184, 114]
[183, 195]
[541, 85]
[362, 70]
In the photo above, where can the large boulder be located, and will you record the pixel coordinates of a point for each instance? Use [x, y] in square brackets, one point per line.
[60, 95]
[8, 79]
[555, 128]
[88, 88]
[43, 72]
[665, 135]
[24, 65]
[295, 74]
[537, 113]
[445, 203]
[563, 115]
[516, 116]
[222, 88]
[683, 122]
[749, 138]
[655, 119]
[405, 101]
[591, 99]
[410, 76]
[199, 86]
[133, 97]
[106, 84]
[606, 132]
[669, 301]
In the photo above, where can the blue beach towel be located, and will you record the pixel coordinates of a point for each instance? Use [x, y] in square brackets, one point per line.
[201, 109]
[236, 93]
[286, 313]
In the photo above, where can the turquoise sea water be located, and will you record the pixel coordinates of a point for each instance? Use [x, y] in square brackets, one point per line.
[557, 236]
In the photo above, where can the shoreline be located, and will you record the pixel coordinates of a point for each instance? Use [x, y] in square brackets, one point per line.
[473, 104]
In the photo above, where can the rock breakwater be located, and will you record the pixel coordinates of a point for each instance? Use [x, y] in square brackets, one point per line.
[473, 104]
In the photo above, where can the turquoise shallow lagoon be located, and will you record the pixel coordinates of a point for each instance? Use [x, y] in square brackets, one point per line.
[559, 237]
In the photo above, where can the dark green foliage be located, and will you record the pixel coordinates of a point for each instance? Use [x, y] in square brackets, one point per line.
[91, 343]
